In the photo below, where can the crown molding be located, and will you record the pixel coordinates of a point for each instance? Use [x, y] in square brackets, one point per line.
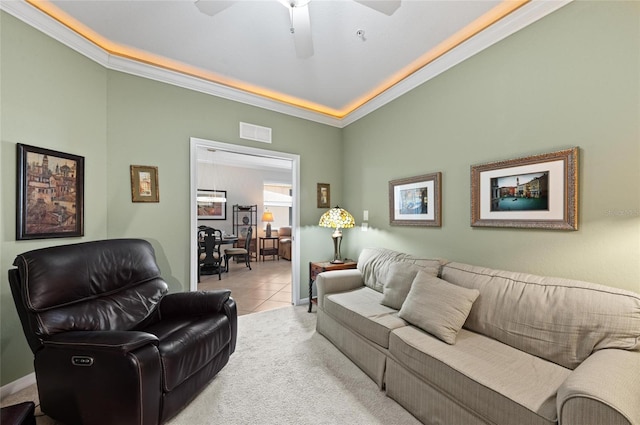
[511, 24]
[517, 20]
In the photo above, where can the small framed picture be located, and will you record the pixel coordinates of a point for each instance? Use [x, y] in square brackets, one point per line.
[415, 201]
[324, 195]
[50, 194]
[144, 184]
[539, 191]
[212, 204]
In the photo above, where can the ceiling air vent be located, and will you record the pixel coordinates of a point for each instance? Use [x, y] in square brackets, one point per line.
[255, 132]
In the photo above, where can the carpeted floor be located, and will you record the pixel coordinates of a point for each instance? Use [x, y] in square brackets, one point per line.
[283, 372]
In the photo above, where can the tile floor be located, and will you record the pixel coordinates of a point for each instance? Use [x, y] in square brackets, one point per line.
[265, 287]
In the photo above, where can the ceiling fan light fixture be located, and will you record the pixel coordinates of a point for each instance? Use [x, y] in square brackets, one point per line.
[299, 3]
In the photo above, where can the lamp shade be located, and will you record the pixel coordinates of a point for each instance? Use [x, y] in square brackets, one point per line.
[337, 218]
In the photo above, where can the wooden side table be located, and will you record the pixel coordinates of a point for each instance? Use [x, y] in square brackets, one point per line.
[317, 267]
[269, 250]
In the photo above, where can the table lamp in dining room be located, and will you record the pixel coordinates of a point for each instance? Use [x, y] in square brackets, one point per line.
[337, 218]
[267, 217]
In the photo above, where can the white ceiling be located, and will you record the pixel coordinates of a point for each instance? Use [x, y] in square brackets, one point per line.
[246, 51]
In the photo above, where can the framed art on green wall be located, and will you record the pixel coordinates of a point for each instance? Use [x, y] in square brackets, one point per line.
[144, 184]
[416, 201]
[323, 193]
[50, 194]
[539, 191]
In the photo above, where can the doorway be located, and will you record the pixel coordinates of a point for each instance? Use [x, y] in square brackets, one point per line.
[255, 156]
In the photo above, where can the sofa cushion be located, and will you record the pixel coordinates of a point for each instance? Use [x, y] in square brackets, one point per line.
[437, 307]
[399, 279]
[374, 265]
[560, 320]
[361, 311]
[496, 381]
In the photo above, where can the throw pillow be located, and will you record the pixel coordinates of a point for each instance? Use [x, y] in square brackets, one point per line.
[399, 278]
[437, 306]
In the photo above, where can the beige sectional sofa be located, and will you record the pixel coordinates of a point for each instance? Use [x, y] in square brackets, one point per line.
[460, 344]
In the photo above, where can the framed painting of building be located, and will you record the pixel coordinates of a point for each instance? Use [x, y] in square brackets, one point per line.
[539, 191]
[144, 184]
[50, 194]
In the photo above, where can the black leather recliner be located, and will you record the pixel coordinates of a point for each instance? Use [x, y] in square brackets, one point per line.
[110, 345]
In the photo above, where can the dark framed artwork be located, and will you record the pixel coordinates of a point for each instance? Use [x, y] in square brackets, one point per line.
[144, 184]
[212, 204]
[50, 194]
[416, 201]
[323, 192]
[539, 191]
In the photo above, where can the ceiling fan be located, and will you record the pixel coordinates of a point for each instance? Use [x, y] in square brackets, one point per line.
[300, 20]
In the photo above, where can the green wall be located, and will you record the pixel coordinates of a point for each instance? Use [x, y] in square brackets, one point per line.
[55, 98]
[150, 123]
[571, 79]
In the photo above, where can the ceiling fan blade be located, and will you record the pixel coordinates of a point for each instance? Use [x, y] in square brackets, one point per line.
[212, 7]
[301, 31]
[388, 7]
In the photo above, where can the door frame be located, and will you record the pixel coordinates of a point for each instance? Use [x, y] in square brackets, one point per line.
[194, 144]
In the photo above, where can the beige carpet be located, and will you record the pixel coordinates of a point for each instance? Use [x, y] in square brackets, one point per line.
[283, 372]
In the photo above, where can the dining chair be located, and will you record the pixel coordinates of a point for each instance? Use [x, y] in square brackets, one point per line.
[245, 252]
[210, 258]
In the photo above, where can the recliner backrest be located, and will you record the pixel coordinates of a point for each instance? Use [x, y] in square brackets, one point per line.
[102, 285]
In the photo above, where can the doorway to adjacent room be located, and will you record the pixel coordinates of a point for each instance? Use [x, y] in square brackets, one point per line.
[269, 276]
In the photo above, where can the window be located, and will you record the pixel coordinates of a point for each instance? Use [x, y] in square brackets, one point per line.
[277, 199]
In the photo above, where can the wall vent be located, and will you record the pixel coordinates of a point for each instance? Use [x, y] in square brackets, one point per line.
[255, 132]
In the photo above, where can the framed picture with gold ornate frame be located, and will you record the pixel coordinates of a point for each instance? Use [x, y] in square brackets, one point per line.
[144, 184]
[539, 191]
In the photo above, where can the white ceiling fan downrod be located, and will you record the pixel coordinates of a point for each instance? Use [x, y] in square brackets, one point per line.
[292, 5]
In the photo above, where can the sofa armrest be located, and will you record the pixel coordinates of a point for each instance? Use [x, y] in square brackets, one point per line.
[337, 281]
[603, 389]
[195, 303]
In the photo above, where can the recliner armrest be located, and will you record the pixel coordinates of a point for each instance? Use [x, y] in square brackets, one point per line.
[605, 386]
[120, 341]
[195, 303]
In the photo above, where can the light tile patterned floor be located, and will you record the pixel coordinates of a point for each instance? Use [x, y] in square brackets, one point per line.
[265, 287]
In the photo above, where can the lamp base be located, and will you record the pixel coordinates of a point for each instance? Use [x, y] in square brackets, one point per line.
[268, 231]
[337, 241]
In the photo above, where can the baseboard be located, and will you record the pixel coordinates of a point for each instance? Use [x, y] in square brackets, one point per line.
[17, 385]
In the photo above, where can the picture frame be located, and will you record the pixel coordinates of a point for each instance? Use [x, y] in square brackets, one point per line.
[539, 191]
[49, 195]
[210, 208]
[144, 184]
[416, 201]
[323, 192]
